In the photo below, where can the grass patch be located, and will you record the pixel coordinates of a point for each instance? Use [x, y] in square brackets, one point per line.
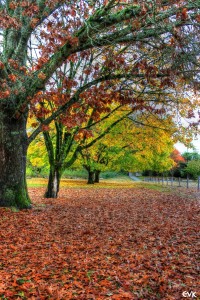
[118, 182]
[152, 186]
[104, 183]
[37, 182]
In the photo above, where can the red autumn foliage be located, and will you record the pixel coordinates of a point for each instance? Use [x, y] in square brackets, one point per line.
[100, 244]
[177, 157]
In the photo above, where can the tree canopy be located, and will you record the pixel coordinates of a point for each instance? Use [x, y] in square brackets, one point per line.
[154, 45]
[193, 168]
[43, 42]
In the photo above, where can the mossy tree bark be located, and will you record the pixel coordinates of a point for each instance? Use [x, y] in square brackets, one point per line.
[13, 150]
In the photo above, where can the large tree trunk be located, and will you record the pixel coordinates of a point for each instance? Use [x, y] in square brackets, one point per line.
[53, 183]
[90, 177]
[96, 176]
[13, 151]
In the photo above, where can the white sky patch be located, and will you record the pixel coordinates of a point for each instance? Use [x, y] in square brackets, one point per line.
[182, 148]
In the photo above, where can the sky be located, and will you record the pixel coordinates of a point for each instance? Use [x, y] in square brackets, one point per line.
[196, 142]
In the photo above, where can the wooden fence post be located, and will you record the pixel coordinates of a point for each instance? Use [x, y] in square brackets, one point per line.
[187, 181]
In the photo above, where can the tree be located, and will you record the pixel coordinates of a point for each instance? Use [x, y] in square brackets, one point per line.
[193, 168]
[150, 147]
[71, 128]
[179, 163]
[68, 143]
[97, 159]
[130, 146]
[154, 46]
[177, 157]
[65, 141]
[188, 156]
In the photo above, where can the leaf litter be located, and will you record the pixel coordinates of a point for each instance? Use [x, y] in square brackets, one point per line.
[127, 243]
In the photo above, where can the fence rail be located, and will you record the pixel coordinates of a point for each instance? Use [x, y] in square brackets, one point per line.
[173, 181]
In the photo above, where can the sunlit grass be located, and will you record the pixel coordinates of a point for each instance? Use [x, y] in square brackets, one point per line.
[36, 182]
[119, 182]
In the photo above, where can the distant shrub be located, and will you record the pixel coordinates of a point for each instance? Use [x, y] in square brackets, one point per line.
[75, 173]
[193, 168]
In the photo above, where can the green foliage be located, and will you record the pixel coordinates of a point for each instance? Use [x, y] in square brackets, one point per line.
[191, 156]
[112, 174]
[34, 171]
[74, 173]
[130, 147]
[37, 160]
[14, 209]
[193, 168]
[180, 169]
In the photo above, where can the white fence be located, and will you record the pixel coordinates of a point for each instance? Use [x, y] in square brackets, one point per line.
[173, 181]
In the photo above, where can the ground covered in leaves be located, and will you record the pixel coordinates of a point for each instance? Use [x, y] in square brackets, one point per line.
[100, 243]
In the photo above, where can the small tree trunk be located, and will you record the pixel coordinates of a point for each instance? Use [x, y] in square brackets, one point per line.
[90, 177]
[13, 152]
[53, 183]
[96, 177]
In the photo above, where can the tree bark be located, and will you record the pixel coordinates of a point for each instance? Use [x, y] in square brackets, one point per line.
[13, 152]
[53, 183]
[90, 177]
[96, 176]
